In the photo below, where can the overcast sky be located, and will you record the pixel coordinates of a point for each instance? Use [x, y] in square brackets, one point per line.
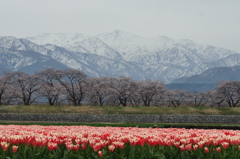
[213, 22]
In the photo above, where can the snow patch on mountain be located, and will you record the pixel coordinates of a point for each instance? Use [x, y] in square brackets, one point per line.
[77, 43]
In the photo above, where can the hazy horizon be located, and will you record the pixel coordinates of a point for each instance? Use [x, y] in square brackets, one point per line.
[205, 22]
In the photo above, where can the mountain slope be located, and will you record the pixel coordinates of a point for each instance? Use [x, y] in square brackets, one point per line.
[17, 54]
[95, 65]
[213, 75]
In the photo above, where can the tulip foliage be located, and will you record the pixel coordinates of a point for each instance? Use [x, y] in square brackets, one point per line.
[74, 142]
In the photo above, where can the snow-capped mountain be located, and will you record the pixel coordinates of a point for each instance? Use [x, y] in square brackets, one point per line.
[134, 47]
[24, 55]
[121, 53]
[165, 59]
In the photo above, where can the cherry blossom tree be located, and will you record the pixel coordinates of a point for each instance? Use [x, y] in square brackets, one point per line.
[147, 89]
[121, 88]
[5, 85]
[74, 83]
[26, 87]
[177, 97]
[135, 98]
[51, 89]
[197, 98]
[98, 90]
[229, 92]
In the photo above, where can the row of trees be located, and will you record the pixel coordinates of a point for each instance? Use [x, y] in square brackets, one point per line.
[73, 87]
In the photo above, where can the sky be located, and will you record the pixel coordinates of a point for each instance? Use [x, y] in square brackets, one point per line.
[212, 22]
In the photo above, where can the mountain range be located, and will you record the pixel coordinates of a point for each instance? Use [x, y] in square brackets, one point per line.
[116, 53]
[213, 75]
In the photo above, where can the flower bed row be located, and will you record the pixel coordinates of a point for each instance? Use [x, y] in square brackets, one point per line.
[68, 142]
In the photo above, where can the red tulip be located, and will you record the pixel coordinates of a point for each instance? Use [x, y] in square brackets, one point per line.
[52, 146]
[182, 148]
[225, 145]
[206, 149]
[14, 148]
[218, 149]
[195, 147]
[111, 148]
[4, 146]
[188, 147]
[100, 154]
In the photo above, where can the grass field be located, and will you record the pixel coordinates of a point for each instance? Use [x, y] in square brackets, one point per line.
[124, 124]
[46, 109]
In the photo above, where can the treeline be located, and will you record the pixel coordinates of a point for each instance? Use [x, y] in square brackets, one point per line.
[73, 87]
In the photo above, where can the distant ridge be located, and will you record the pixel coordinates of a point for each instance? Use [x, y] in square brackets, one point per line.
[213, 75]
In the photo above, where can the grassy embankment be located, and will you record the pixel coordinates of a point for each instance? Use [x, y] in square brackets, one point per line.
[42, 109]
[118, 110]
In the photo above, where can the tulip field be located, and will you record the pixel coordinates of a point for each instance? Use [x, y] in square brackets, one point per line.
[87, 142]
